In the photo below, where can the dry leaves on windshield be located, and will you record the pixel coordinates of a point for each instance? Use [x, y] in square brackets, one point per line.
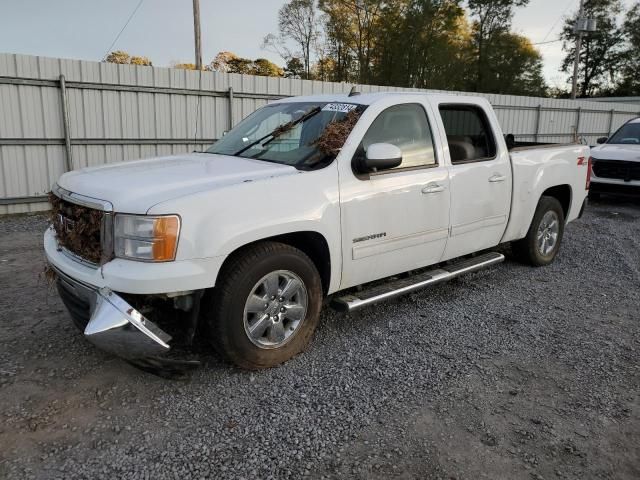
[335, 134]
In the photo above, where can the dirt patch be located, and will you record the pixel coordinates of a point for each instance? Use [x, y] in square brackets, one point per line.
[509, 373]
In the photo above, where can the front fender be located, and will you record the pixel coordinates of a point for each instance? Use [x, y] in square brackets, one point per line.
[215, 223]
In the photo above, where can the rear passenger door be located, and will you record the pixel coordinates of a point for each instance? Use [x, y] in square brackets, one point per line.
[480, 179]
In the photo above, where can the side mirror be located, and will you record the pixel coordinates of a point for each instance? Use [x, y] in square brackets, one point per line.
[381, 156]
[602, 140]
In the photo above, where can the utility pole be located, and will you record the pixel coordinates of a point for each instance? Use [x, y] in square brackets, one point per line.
[578, 28]
[196, 31]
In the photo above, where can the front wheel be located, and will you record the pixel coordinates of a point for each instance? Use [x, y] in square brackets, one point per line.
[542, 243]
[265, 306]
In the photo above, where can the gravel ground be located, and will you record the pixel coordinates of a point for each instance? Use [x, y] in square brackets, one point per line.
[513, 372]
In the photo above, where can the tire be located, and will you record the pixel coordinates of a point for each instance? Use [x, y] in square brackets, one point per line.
[236, 318]
[548, 221]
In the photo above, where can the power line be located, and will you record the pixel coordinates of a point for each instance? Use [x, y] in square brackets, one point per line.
[123, 28]
[548, 41]
[569, 5]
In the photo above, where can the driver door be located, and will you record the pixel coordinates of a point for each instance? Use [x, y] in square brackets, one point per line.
[397, 219]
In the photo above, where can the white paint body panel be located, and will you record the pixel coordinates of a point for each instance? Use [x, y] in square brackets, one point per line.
[137, 277]
[228, 202]
[133, 187]
[480, 191]
[538, 169]
[415, 225]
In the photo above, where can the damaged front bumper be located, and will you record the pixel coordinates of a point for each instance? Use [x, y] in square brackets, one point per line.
[109, 322]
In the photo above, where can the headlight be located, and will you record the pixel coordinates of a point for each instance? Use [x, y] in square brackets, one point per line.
[146, 238]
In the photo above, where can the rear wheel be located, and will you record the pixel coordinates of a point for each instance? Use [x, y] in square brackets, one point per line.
[542, 243]
[265, 306]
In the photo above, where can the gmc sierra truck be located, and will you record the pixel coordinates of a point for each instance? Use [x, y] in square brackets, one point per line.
[351, 198]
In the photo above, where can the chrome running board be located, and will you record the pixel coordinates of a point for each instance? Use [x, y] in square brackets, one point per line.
[397, 287]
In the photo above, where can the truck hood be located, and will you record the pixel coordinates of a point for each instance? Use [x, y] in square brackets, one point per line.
[616, 152]
[134, 187]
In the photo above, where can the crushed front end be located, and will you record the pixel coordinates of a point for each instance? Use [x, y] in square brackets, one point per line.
[79, 246]
[110, 322]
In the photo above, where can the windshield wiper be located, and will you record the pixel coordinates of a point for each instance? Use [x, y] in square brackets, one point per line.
[275, 133]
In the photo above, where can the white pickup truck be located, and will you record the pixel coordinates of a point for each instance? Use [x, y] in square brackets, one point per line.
[616, 162]
[305, 199]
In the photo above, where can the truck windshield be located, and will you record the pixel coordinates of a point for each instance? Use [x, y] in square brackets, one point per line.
[287, 133]
[629, 134]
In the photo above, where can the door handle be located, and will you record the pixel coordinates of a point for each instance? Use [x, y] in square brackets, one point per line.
[433, 188]
[497, 178]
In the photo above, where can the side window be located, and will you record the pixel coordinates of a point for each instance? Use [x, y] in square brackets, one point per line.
[468, 133]
[407, 127]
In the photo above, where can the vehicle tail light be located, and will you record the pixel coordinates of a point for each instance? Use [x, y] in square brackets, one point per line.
[589, 166]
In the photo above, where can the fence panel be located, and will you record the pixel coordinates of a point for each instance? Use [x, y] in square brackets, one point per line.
[124, 112]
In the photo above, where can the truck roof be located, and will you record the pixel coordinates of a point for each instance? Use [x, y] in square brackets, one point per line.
[370, 98]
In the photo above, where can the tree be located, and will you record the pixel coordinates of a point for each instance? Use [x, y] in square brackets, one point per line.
[240, 65]
[492, 20]
[118, 57]
[298, 22]
[429, 44]
[221, 61]
[630, 82]
[124, 58]
[263, 67]
[353, 30]
[601, 56]
[184, 66]
[136, 60]
[422, 43]
[229, 62]
[294, 68]
[338, 43]
[514, 67]
[323, 69]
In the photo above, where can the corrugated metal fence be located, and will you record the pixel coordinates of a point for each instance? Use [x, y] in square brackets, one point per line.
[58, 114]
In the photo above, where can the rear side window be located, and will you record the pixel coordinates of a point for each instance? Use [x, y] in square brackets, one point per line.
[468, 133]
[406, 126]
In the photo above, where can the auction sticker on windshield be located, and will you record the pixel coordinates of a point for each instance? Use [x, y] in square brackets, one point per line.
[339, 107]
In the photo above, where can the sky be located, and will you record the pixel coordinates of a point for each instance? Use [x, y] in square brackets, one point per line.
[163, 29]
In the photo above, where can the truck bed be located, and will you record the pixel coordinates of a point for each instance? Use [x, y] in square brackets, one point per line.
[519, 146]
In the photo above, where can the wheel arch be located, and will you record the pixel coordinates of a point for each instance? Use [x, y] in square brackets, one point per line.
[312, 243]
[563, 194]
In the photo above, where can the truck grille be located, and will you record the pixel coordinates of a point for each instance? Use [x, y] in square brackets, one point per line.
[77, 228]
[618, 169]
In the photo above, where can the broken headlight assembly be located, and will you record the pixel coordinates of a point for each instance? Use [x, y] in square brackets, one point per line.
[146, 238]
